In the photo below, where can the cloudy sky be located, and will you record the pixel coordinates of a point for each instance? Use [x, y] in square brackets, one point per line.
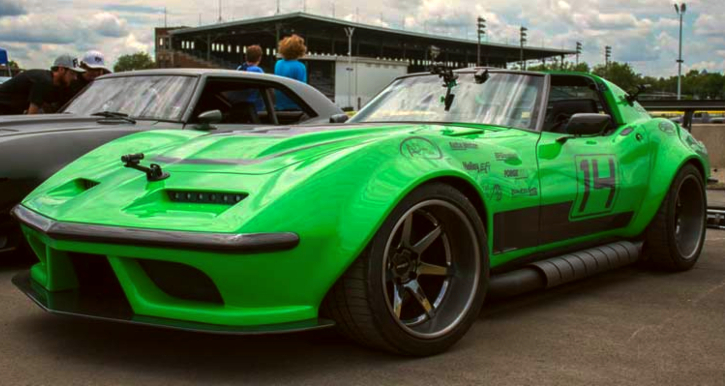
[641, 32]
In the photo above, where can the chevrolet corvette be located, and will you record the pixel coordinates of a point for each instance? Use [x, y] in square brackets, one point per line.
[448, 187]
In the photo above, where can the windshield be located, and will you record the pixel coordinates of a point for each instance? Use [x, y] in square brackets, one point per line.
[157, 97]
[505, 99]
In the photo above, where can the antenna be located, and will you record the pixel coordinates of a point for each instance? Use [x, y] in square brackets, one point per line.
[220, 12]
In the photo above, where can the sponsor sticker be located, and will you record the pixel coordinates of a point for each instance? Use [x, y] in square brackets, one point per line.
[463, 145]
[479, 167]
[515, 173]
[493, 192]
[532, 191]
[505, 156]
[667, 127]
[419, 147]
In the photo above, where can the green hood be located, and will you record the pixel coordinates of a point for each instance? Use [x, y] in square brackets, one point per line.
[256, 166]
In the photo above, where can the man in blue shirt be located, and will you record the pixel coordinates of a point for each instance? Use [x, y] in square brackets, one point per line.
[254, 57]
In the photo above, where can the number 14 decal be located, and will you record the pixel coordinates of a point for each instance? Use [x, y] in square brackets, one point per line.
[597, 185]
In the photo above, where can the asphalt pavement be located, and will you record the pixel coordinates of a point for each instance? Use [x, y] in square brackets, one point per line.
[626, 327]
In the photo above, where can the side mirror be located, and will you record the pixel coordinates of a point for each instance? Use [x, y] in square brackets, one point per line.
[210, 117]
[588, 124]
[339, 118]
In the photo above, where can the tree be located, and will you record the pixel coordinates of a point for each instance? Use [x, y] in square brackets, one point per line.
[620, 74]
[554, 66]
[137, 61]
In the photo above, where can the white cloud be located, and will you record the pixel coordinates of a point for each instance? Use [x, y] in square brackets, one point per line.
[709, 66]
[108, 25]
[710, 25]
[667, 23]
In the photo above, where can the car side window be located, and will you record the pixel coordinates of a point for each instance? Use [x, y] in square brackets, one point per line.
[289, 111]
[570, 95]
[250, 103]
[237, 101]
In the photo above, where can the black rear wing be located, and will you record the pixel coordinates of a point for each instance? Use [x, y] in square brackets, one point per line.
[688, 107]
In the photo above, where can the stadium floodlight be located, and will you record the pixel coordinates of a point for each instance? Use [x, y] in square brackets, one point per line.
[481, 30]
[523, 42]
[578, 51]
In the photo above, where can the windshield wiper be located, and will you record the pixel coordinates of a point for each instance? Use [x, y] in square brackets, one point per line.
[114, 115]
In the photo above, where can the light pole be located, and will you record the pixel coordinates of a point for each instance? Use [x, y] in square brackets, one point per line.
[481, 29]
[681, 12]
[349, 31]
[523, 41]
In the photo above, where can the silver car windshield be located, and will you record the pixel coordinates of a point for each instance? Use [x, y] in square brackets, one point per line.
[158, 97]
[505, 99]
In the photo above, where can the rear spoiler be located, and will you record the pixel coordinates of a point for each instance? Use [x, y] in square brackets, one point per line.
[688, 106]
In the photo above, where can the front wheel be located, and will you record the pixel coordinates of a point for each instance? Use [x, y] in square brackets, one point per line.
[676, 235]
[420, 284]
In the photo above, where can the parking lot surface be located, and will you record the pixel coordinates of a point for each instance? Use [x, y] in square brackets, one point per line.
[626, 327]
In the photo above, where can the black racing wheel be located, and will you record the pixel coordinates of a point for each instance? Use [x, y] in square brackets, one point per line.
[676, 235]
[420, 284]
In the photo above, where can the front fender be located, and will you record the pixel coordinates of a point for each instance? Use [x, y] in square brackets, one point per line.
[672, 148]
[337, 202]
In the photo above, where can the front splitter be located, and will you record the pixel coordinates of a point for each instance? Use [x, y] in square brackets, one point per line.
[74, 303]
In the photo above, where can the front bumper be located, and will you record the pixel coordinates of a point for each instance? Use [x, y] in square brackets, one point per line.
[224, 242]
[224, 283]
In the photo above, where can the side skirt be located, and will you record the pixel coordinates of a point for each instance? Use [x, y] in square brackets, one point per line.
[563, 269]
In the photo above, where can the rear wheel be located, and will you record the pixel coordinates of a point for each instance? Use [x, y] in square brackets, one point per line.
[677, 233]
[420, 284]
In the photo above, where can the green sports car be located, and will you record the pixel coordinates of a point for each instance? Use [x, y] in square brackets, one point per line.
[446, 188]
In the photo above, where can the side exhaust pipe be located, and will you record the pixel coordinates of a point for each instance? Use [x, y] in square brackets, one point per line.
[716, 217]
[559, 270]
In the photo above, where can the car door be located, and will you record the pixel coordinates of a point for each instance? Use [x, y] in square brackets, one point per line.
[590, 186]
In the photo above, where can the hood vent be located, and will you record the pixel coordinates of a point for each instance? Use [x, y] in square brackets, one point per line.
[199, 197]
[87, 184]
[72, 188]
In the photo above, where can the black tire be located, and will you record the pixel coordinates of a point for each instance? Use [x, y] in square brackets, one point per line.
[362, 301]
[675, 237]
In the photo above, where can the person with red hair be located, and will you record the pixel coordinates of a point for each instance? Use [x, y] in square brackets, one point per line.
[292, 48]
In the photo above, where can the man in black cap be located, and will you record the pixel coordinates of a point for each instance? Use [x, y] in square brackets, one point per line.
[31, 90]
